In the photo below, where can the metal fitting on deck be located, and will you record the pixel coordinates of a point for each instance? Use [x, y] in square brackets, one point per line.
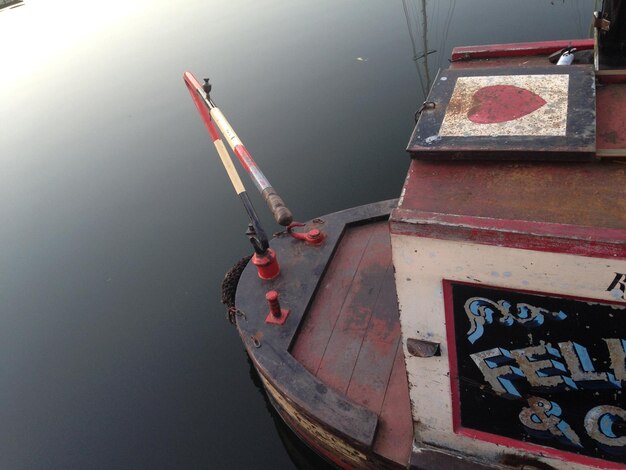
[312, 237]
[276, 315]
[266, 264]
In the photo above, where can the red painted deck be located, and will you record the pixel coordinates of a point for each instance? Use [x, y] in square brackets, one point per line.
[350, 338]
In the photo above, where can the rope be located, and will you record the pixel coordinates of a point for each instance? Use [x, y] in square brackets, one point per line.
[229, 288]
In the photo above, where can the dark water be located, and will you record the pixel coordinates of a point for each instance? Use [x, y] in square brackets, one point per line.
[118, 223]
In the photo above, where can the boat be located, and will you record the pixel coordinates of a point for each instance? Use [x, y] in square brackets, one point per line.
[478, 321]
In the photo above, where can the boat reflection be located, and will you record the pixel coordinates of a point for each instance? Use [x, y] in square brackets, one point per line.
[417, 14]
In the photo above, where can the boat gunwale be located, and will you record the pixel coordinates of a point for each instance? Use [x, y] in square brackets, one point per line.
[488, 51]
[522, 234]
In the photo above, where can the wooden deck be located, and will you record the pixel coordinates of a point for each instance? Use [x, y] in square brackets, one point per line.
[350, 337]
[334, 370]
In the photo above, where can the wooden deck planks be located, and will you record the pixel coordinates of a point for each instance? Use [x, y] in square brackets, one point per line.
[321, 318]
[394, 437]
[350, 337]
[345, 341]
[372, 370]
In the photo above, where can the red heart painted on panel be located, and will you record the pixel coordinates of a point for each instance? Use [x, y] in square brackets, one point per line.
[501, 103]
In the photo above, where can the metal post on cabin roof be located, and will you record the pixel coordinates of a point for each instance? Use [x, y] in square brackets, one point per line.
[279, 210]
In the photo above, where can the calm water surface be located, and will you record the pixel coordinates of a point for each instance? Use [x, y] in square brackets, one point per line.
[118, 223]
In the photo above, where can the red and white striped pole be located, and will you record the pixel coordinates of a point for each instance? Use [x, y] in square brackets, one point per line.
[259, 238]
[281, 213]
[264, 257]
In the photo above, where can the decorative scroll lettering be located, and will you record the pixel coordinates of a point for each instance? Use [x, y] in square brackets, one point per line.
[542, 419]
[542, 369]
[600, 424]
[617, 352]
[499, 370]
[581, 367]
[546, 368]
[529, 372]
[480, 311]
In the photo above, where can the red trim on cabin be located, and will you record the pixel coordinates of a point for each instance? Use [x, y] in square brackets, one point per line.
[526, 235]
[455, 394]
[518, 49]
[541, 450]
[576, 194]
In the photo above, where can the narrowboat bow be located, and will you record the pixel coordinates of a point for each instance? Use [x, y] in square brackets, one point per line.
[480, 320]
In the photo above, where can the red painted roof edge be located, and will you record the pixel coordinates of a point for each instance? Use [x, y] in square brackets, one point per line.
[528, 235]
[517, 49]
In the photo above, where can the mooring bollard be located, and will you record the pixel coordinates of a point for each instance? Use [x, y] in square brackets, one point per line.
[276, 315]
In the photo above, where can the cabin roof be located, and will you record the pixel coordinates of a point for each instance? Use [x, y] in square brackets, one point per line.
[520, 191]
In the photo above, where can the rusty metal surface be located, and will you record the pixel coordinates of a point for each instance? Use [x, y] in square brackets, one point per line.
[582, 194]
[422, 348]
[519, 113]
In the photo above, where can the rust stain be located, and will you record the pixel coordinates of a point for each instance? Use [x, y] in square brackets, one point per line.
[586, 194]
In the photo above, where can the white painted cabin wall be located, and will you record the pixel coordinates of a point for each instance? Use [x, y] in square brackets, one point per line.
[420, 266]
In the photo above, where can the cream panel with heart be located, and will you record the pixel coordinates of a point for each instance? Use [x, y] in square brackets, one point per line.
[508, 105]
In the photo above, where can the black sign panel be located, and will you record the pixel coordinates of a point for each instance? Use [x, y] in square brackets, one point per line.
[541, 369]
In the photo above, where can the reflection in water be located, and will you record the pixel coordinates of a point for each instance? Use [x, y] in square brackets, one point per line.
[418, 16]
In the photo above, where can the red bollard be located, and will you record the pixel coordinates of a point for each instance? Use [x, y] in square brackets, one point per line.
[314, 237]
[277, 315]
[266, 264]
